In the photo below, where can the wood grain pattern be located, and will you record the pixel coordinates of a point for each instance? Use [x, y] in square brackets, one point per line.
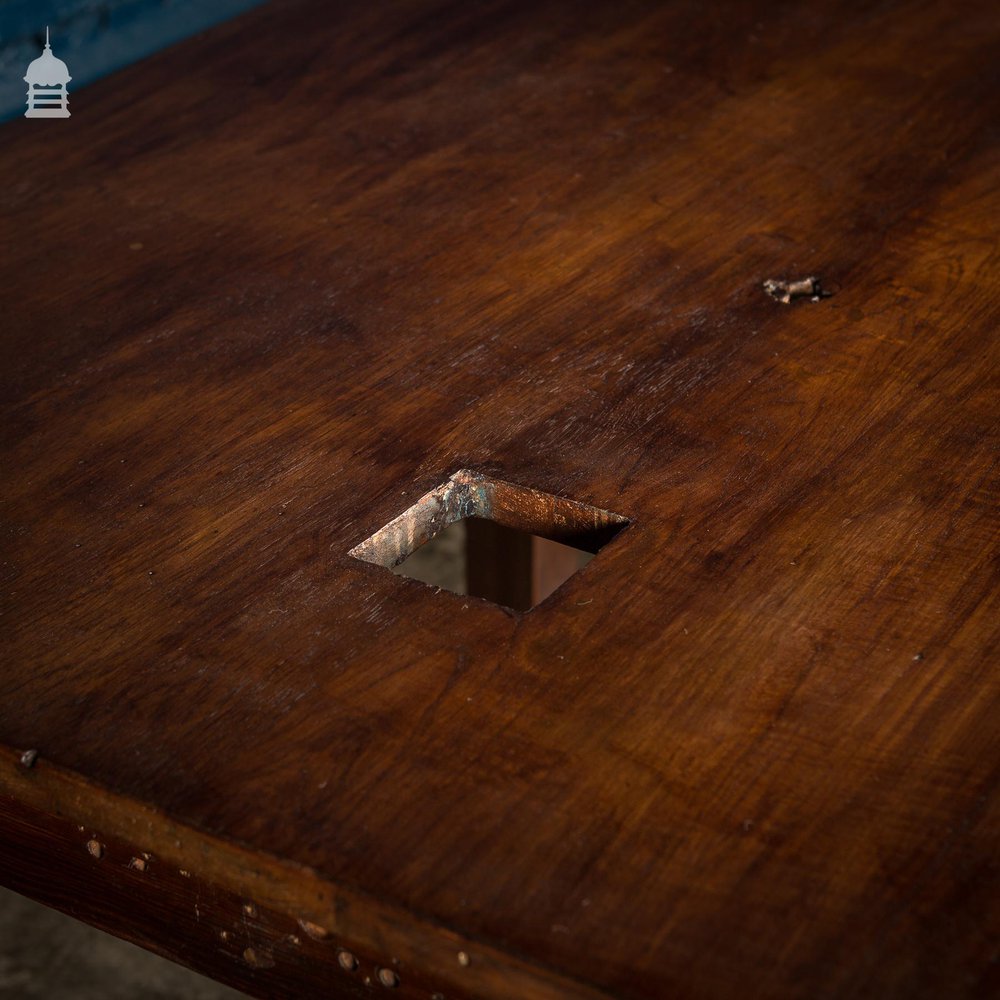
[268, 927]
[263, 291]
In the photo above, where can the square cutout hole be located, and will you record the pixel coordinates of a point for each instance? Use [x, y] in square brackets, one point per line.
[487, 538]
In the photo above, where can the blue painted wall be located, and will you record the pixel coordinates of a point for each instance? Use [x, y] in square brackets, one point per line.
[95, 37]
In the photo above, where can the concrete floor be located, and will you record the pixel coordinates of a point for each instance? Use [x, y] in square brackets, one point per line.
[45, 955]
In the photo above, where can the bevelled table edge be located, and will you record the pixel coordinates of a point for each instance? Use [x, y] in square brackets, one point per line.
[342, 918]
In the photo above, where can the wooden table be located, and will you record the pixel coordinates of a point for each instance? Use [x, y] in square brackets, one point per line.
[263, 291]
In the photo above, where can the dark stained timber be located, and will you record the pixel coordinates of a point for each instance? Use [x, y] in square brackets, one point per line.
[268, 289]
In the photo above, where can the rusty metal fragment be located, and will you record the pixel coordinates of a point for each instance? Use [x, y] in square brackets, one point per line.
[788, 291]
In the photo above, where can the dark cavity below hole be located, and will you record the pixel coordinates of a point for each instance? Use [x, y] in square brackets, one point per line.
[480, 558]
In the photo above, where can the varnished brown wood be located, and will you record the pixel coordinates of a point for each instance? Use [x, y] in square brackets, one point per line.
[267, 289]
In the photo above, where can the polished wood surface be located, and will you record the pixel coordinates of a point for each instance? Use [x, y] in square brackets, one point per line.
[266, 289]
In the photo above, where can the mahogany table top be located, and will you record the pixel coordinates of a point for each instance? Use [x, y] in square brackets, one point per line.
[264, 290]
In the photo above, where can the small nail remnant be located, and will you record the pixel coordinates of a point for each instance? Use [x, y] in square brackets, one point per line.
[250, 909]
[96, 848]
[28, 759]
[788, 291]
[918, 657]
[463, 959]
[139, 864]
[314, 931]
[388, 978]
[224, 935]
[347, 960]
[294, 939]
[184, 873]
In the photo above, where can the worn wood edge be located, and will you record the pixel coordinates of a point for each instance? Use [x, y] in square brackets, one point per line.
[467, 493]
[461, 495]
[461, 965]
